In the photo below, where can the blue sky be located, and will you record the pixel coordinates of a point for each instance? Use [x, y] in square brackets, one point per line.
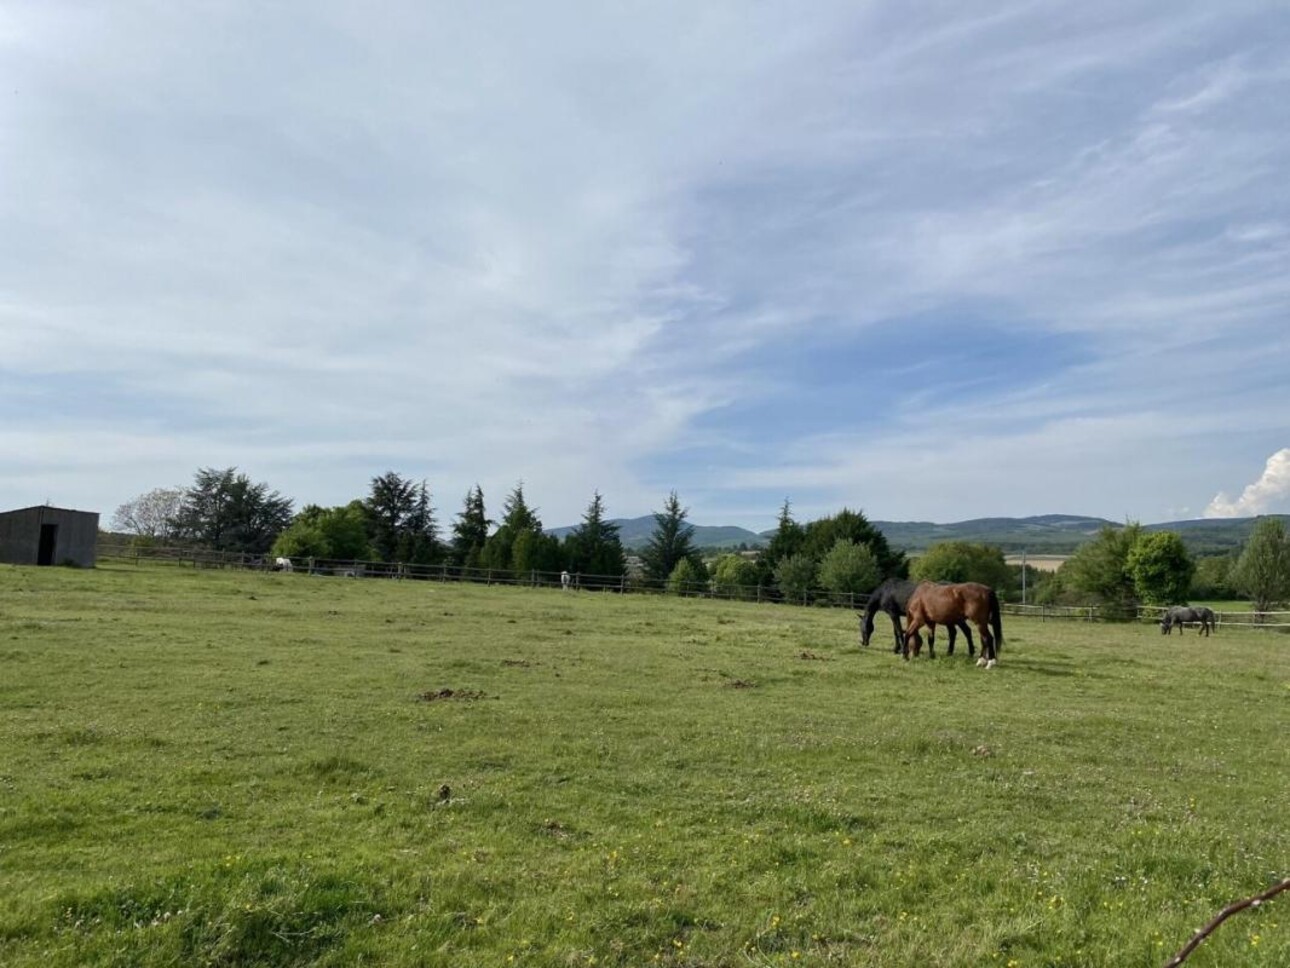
[933, 261]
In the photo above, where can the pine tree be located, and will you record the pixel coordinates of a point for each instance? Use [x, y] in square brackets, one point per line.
[671, 541]
[517, 519]
[594, 547]
[470, 531]
[225, 511]
[785, 542]
[401, 520]
[419, 535]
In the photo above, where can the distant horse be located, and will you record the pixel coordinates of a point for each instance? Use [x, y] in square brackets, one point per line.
[1180, 615]
[891, 597]
[932, 604]
[283, 564]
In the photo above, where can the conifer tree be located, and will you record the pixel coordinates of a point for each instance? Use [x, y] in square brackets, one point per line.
[671, 541]
[470, 531]
[519, 545]
[594, 547]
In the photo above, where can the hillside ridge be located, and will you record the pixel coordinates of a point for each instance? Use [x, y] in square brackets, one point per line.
[1038, 534]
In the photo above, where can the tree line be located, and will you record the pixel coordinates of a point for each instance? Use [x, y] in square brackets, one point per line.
[224, 510]
[1122, 568]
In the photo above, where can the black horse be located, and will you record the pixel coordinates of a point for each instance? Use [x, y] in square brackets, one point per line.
[891, 597]
[1180, 615]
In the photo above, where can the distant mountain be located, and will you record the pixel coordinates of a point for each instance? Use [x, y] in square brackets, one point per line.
[1052, 534]
[1045, 533]
[1061, 534]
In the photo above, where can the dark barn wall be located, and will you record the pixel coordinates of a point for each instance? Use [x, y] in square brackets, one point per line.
[76, 538]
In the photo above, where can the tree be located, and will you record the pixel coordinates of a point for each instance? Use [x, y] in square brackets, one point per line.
[786, 541]
[671, 541]
[795, 577]
[470, 531]
[536, 551]
[401, 521]
[960, 561]
[153, 515]
[338, 534]
[688, 577]
[1263, 570]
[735, 576]
[419, 540]
[518, 545]
[225, 511]
[849, 568]
[1100, 568]
[1213, 578]
[820, 536]
[594, 546]
[1161, 568]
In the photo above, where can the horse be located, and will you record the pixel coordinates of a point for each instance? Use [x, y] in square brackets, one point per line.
[933, 604]
[1180, 615]
[283, 564]
[891, 597]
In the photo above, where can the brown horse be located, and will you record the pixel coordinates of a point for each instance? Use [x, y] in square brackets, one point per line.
[932, 604]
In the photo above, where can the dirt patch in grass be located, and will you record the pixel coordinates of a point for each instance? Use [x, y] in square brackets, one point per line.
[813, 657]
[740, 684]
[440, 695]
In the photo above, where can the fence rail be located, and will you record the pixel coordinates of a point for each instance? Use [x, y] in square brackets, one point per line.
[624, 584]
[1252, 620]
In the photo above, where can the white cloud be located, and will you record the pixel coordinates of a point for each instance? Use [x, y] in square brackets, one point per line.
[544, 244]
[1270, 493]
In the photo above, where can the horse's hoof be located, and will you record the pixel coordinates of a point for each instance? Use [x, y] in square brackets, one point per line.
[980, 662]
[990, 664]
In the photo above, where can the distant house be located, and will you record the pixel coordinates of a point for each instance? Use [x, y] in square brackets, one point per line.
[46, 535]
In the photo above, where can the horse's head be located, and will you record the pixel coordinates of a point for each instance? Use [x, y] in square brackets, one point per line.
[1166, 623]
[913, 643]
[866, 628]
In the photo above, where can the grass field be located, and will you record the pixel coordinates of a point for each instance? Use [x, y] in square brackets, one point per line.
[226, 768]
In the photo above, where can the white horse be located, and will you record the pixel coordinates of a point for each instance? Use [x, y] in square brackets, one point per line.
[283, 564]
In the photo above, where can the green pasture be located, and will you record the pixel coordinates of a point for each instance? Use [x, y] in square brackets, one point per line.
[235, 768]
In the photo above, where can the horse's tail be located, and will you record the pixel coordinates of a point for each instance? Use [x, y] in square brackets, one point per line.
[996, 620]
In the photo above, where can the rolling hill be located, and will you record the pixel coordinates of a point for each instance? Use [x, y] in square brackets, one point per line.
[1052, 534]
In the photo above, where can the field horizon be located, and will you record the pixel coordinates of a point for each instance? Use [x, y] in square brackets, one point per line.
[245, 768]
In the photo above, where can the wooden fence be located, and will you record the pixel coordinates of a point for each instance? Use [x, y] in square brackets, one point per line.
[623, 584]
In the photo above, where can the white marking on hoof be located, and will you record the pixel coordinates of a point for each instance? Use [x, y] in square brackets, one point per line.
[990, 664]
[980, 662]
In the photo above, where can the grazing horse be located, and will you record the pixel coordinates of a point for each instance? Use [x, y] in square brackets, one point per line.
[891, 597]
[1180, 615]
[283, 564]
[932, 604]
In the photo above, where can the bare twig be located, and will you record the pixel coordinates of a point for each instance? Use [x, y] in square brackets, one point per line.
[1222, 916]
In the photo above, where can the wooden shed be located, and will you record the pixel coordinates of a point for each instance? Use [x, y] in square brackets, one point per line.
[46, 535]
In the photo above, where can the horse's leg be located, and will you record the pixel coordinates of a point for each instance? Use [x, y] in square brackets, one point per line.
[967, 632]
[988, 658]
[900, 634]
[953, 636]
[931, 640]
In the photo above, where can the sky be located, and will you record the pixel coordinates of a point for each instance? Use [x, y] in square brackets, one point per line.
[931, 261]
